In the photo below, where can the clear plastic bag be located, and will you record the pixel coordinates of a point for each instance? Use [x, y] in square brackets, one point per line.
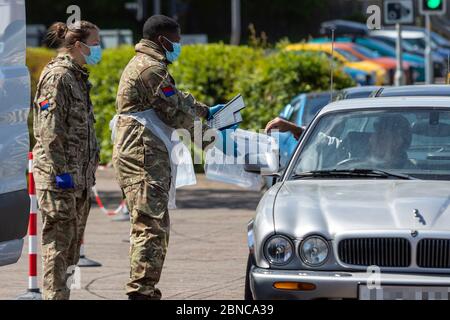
[251, 147]
[182, 167]
[229, 172]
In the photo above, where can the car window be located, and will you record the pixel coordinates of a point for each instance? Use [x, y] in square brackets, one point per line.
[378, 45]
[419, 43]
[392, 41]
[296, 111]
[366, 52]
[440, 40]
[350, 57]
[313, 107]
[292, 110]
[336, 58]
[414, 142]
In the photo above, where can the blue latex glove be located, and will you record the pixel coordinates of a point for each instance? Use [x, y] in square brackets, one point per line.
[65, 181]
[224, 145]
[213, 110]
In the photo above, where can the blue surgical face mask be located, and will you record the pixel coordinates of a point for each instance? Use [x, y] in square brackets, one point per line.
[96, 54]
[175, 54]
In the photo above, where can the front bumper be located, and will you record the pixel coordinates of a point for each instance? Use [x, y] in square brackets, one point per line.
[331, 285]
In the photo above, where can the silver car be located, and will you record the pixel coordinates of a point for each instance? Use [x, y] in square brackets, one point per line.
[363, 209]
[14, 136]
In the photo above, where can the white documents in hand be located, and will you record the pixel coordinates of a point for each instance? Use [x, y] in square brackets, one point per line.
[229, 116]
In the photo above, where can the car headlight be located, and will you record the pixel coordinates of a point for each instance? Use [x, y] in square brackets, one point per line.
[314, 251]
[279, 250]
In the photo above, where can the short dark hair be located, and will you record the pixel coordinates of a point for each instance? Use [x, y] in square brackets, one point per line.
[159, 24]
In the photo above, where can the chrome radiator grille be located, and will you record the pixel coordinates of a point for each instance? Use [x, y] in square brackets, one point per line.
[433, 253]
[382, 252]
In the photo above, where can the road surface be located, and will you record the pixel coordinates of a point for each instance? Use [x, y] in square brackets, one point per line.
[207, 251]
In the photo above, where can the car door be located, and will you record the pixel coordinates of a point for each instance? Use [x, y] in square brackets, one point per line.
[14, 135]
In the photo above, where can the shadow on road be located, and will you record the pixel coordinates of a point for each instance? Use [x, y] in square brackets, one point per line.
[218, 199]
[200, 199]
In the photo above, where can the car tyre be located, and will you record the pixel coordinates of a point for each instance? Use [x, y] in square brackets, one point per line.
[248, 296]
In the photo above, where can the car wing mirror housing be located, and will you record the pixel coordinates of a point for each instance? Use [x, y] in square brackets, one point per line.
[263, 164]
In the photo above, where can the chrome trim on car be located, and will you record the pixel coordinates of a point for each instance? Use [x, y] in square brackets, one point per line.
[417, 259]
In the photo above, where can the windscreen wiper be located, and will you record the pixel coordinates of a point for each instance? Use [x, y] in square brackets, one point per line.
[372, 173]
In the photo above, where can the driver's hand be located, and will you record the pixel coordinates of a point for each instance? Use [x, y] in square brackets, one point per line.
[282, 125]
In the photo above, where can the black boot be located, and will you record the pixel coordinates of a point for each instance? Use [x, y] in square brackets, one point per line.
[138, 296]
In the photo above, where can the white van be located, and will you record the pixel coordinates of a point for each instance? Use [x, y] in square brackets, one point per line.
[15, 98]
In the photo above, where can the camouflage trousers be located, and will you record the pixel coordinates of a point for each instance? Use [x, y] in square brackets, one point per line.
[64, 216]
[149, 237]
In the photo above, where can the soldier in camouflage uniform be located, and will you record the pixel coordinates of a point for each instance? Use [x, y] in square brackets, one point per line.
[141, 159]
[66, 153]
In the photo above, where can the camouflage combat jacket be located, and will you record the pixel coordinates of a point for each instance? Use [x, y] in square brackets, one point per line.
[64, 126]
[146, 84]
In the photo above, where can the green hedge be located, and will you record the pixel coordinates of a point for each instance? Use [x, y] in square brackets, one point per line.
[213, 73]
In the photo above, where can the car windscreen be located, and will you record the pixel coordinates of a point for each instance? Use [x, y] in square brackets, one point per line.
[419, 43]
[408, 141]
[392, 41]
[350, 57]
[379, 45]
[440, 40]
[359, 94]
[366, 52]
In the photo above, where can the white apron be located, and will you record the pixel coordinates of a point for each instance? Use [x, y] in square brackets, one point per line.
[182, 167]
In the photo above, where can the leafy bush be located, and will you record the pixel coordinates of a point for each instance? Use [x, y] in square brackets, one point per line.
[210, 72]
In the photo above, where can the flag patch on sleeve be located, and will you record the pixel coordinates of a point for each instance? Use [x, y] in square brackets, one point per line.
[44, 105]
[168, 91]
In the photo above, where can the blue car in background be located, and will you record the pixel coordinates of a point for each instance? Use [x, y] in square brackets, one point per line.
[301, 111]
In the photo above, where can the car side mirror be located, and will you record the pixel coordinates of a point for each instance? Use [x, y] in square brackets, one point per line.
[253, 168]
[260, 164]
